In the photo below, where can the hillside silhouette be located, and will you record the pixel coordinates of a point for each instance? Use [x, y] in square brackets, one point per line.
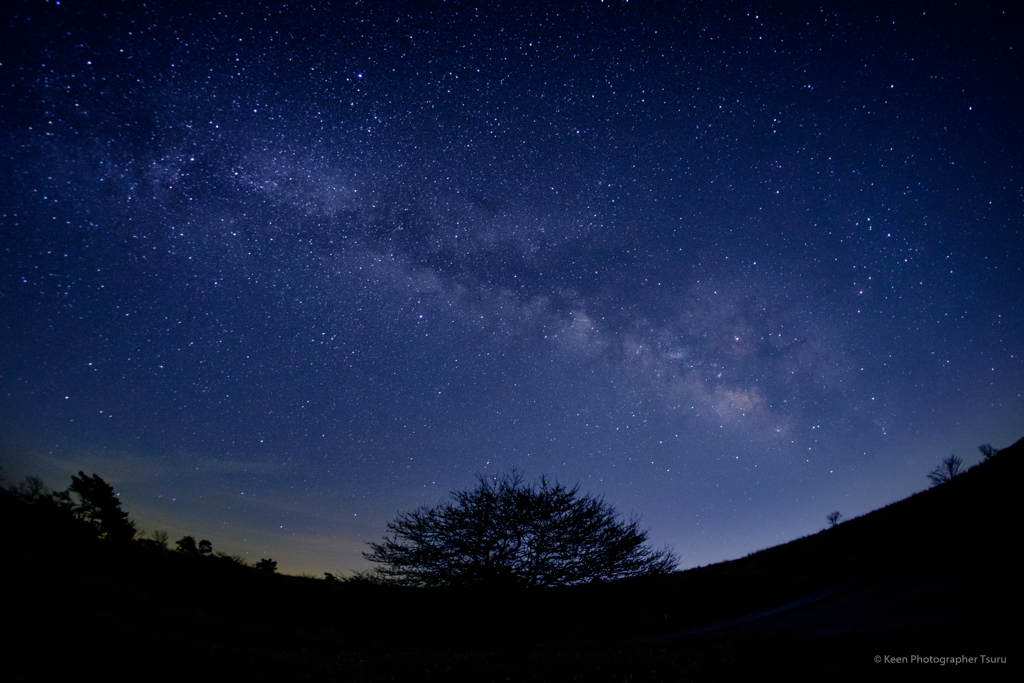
[928, 575]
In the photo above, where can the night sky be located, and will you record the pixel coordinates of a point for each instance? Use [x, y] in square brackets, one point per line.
[278, 273]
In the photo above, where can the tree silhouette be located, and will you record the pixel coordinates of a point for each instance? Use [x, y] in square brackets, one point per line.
[833, 518]
[987, 451]
[507, 533]
[93, 500]
[32, 490]
[950, 467]
[159, 539]
[187, 545]
[267, 564]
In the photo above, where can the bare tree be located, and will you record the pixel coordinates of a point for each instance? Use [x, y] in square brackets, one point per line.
[833, 518]
[508, 533]
[32, 490]
[950, 467]
[160, 539]
[987, 451]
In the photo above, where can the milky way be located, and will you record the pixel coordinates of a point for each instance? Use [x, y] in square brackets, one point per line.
[278, 273]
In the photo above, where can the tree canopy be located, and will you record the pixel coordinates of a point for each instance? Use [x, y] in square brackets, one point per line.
[187, 545]
[93, 500]
[508, 533]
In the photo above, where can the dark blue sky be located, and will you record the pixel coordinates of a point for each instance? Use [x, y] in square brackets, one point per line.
[277, 273]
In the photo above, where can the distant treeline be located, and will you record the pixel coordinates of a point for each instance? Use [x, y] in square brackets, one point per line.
[89, 507]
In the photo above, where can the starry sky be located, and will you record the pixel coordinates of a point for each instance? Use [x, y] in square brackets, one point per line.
[278, 272]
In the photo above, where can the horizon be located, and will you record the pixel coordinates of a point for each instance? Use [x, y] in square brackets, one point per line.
[279, 275]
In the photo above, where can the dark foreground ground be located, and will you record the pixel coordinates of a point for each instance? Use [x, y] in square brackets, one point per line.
[928, 577]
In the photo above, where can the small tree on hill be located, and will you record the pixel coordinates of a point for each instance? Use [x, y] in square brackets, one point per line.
[507, 533]
[93, 500]
[187, 545]
[950, 467]
[267, 564]
[32, 490]
[833, 518]
[987, 451]
[159, 539]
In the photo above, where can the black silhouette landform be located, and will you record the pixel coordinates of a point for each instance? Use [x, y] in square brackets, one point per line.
[929, 577]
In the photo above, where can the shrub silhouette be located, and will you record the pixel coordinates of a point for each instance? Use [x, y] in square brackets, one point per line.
[507, 533]
[833, 518]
